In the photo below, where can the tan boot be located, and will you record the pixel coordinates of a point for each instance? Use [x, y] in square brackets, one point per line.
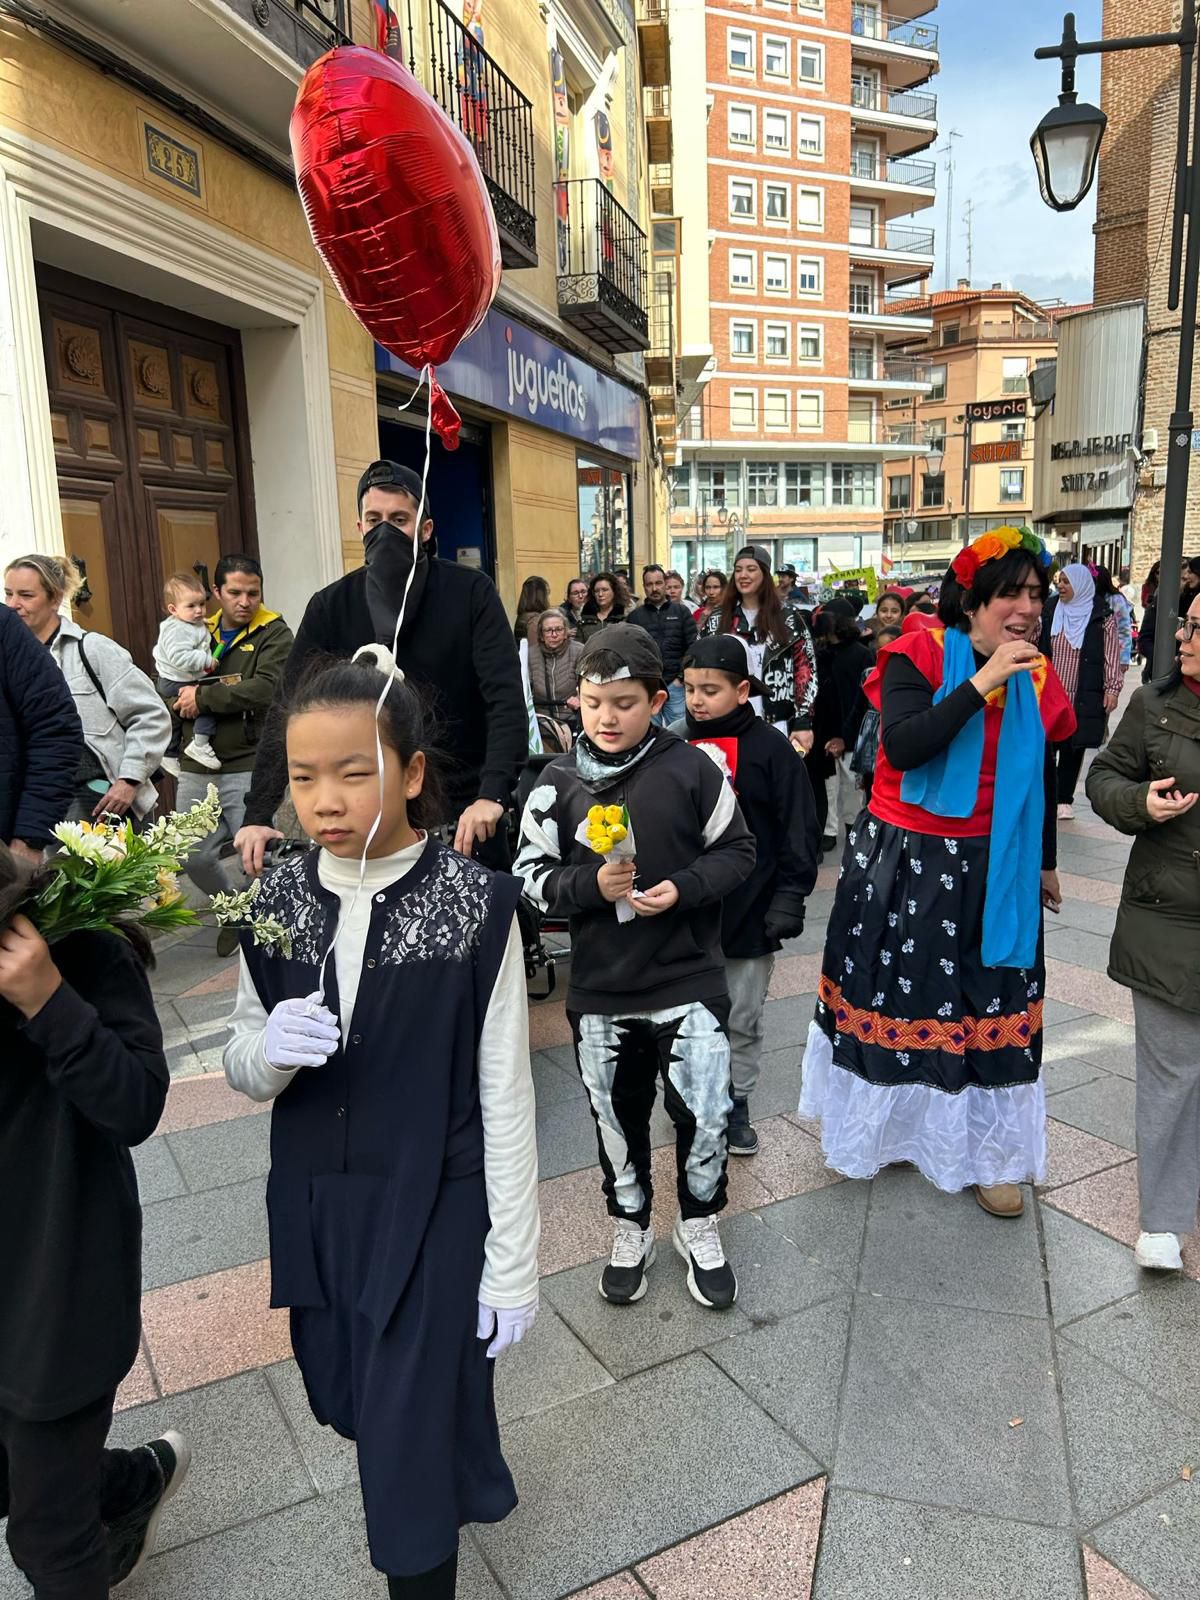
[1001, 1199]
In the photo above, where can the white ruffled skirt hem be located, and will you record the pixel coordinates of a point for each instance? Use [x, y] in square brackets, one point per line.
[977, 1136]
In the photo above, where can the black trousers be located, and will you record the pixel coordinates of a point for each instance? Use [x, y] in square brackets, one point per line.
[1069, 763]
[58, 1488]
[440, 1583]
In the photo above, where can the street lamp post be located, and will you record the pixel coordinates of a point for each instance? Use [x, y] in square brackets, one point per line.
[1066, 144]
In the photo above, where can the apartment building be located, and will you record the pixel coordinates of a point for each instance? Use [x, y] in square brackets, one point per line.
[805, 153]
[968, 470]
[179, 378]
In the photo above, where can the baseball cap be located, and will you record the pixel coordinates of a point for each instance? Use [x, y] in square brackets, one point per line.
[391, 475]
[723, 652]
[635, 652]
[787, 570]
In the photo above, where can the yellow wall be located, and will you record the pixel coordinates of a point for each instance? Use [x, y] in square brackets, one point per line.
[53, 97]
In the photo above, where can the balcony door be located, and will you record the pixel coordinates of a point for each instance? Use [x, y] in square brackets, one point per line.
[865, 160]
[864, 88]
[147, 414]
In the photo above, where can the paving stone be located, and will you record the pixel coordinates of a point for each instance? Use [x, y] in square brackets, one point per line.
[201, 1012]
[195, 1234]
[1104, 1582]
[882, 1550]
[1072, 1154]
[1058, 1011]
[1097, 919]
[549, 1366]
[1103, 1107]
[622, 1587]
[778, 1088]
[789, 1160]
[1081, 948]
[774, 1277]
[610, 1477]
[1087, 1269]
[793, 1369]
[1068, 1073]
[1158, 1542]
[552, 1084]
[158, 1177]
[223, 1153]
[664, 1324]
[181, 968]
[1091, 1038]
[924, 1245]
[201, 1101]
[785, 1024]
[332, 1461]
[770, 1550]
[1124, 1445]
[1151, 1338]
[929, 1396]
[826, 1227]
[244, 1460]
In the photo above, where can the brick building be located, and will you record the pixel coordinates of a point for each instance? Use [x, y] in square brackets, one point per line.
[1140, 96]
[798, 127]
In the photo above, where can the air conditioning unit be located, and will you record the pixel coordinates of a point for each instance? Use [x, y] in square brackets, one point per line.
[1149, 441]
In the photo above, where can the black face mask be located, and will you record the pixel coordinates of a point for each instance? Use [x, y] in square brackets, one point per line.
[389, 555]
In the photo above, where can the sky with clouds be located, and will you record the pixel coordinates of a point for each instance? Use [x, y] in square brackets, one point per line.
[994, 93]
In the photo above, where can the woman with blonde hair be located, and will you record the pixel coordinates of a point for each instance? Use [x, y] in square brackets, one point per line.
[126, 727]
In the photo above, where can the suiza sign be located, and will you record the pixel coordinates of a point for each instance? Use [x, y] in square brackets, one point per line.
[507, 367]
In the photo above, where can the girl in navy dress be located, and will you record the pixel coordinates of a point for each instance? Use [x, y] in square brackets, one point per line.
[402, 1197]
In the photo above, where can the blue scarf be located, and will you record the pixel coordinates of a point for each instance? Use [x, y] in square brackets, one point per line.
[948, 786]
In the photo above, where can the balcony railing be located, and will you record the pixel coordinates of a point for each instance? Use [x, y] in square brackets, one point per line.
[601, 266]
[303, 29]
[497, 119]
[895, 30]
[870, 368]
[900, 240]
[878, 97]
[874, 169]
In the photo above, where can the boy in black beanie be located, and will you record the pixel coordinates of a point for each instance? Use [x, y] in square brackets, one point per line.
[776, 798]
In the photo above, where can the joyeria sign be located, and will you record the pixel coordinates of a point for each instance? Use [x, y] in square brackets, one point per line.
[507, 367]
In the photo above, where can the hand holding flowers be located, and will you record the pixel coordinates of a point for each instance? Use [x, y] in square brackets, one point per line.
[608, 831]
[28, 976]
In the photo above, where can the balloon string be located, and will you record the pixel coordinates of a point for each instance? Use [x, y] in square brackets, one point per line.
[344, 917]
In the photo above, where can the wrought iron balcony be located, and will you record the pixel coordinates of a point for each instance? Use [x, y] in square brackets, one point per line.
[878, 97]
[878, 25]
[601, 266]
[303, 29]
[497, 119]
[876, 169]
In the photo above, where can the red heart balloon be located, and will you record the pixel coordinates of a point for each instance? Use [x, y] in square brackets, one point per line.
[396, 204]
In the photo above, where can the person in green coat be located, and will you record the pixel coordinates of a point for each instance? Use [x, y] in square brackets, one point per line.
[1147, 783]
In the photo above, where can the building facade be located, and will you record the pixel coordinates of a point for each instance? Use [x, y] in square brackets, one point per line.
[178, 376]
[1139, 93]
[978, 348]
[805, 155]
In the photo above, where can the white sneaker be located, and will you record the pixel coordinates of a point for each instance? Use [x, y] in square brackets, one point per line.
[1066, 813]
[624, 1278]
[203, 753]
[710, 1278]
[1158, 1251]
[171, 764]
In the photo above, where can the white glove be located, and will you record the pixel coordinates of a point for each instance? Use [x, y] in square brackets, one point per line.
[300, 1033]
[510, 1325]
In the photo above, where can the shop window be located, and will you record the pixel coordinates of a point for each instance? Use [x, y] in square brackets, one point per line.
[604, 508]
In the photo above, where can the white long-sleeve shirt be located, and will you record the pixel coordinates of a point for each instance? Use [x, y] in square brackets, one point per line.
[510, 1275]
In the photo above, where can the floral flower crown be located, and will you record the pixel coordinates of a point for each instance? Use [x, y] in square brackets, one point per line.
[994, 544]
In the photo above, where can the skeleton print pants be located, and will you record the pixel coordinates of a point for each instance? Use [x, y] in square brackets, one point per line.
[620, 1061]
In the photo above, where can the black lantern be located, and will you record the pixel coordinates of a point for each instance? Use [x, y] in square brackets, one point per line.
[1065, 145]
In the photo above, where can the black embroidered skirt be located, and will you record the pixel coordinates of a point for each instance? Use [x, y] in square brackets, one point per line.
[918, 1052]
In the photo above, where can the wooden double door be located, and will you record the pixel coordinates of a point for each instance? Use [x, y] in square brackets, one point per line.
[148, 415]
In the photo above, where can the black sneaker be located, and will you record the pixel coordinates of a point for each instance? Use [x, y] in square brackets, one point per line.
[624, 1278]
[739, 1135]
[829, 843]
[710, 1278]
[131, 1537]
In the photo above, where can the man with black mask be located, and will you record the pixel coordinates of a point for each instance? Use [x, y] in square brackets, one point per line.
[455, 645]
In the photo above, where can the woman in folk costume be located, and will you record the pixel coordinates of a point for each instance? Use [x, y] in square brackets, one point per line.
[927, 1040]
[402, 1197]
[1081, 637]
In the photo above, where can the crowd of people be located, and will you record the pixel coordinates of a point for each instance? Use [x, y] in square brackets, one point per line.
[688, 759]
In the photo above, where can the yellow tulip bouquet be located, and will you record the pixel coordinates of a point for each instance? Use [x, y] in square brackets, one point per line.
[608, 831]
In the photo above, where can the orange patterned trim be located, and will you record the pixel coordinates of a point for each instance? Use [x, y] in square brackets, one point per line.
[932, 1033]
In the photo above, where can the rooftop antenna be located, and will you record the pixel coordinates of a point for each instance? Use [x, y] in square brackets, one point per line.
[948, 151]
[969, 219]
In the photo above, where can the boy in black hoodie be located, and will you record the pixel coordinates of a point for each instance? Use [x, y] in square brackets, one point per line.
[648, 995]
[774, 792]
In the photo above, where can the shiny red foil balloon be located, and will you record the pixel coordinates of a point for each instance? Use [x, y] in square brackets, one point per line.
[397, 206]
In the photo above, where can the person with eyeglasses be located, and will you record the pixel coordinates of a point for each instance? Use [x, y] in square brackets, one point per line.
[1146, 782]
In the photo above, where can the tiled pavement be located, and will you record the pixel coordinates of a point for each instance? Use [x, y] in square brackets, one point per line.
[910, 1399]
